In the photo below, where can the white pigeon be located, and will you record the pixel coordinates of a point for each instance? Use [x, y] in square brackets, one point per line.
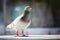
[21, 22]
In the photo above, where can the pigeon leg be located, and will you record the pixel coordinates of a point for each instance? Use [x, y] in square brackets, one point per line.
[23, 34]
[17, 34]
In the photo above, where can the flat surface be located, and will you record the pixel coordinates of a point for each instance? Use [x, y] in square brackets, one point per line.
[37, 31]
[31, 37]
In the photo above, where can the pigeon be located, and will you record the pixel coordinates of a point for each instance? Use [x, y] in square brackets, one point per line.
[22, 22]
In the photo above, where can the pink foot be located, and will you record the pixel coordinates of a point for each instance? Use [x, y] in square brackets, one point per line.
[24, 36]
[17, 36]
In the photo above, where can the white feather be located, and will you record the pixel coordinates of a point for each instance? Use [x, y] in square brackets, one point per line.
[18, 25]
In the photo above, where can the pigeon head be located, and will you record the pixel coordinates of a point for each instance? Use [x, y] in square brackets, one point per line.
[27, 8]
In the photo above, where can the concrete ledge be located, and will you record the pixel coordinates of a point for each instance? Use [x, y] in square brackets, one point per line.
[37, 31]
[31, 37]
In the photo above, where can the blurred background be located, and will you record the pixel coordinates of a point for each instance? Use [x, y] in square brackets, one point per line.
[45, 15]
